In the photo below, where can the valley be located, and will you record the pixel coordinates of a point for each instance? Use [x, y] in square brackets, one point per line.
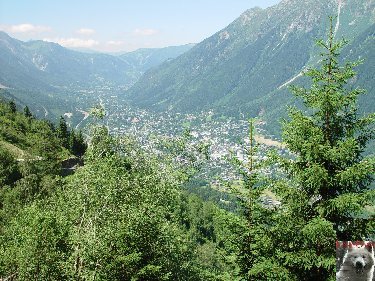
[224, 135]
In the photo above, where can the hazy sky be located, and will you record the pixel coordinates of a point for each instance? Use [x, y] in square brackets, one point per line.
[120, 25]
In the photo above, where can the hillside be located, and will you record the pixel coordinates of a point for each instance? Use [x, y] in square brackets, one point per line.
[246, 66]
[26, 138]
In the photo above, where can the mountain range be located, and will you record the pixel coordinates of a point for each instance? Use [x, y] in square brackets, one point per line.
[51, 79]
[37, 65]
[246, 67]
[242, 70]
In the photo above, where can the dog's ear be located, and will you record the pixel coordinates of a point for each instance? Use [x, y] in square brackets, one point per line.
[350, 246]
[369, 246]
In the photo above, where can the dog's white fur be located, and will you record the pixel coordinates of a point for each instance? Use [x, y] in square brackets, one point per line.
[358, 264]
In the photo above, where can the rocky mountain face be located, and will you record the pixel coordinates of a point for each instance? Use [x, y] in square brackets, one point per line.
[247, 66]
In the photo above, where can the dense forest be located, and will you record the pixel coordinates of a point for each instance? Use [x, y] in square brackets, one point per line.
[125, 212]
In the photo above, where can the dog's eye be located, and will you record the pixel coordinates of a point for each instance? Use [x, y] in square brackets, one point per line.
[355, 257]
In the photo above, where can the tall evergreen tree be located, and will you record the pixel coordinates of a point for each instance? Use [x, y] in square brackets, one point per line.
[81, 145]
[329, 167]
[27, 112]
[72, 141]
[256, 258]
[12, 106]
[323, 185]
[248, 198]
[63, 133]
[77, 144]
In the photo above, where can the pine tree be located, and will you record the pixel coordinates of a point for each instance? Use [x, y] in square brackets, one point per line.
[248, 198]
[12, 106]
[256, 258]
[27, 112]
[81, 145]
[328, 143]
[63, 133]
[323, 184]
[77, 144]
[324, 187]
[72, 142]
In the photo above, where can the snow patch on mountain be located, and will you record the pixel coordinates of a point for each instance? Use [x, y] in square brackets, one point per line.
[38, 62]
[338, 17]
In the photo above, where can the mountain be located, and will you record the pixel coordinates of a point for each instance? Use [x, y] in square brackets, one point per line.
[44, 65]
[145, 59]
[51, 78]
[246, 66]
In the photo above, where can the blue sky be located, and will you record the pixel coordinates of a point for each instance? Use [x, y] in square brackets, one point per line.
[120, 25]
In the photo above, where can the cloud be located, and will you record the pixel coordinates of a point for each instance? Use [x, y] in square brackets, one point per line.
[74, 42]
[85, 31]
[115, 43]
[25, 28]
[145, 32]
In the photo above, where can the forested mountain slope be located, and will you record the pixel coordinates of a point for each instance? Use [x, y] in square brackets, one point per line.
[247, 66]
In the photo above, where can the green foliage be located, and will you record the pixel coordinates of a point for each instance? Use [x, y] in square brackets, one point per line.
[329, 143]
[213, 235]
[9, 171]
[34, 246]
[323, 184]
[255, 257]
[12, 106]
[30, 161]
[70, 139]
[77, 144]
[27, 112]
[62, 132]
[116, 218]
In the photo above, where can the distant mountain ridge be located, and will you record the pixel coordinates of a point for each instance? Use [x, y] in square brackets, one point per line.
[44, 65]
[147, 58]
[53, 80]
[246, 66]
[40, 65]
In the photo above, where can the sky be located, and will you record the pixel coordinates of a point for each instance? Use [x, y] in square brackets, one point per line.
[120, 25]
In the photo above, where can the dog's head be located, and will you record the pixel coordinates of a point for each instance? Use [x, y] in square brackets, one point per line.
[361, 258]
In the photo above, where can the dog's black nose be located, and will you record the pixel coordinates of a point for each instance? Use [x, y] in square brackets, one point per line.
[358, 264]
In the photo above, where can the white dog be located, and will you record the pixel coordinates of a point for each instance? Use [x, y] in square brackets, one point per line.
[358, 263]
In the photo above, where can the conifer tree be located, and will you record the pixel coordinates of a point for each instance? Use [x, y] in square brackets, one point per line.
[81, 145]
[12, 106]
[329, 167]
[248, 198]
[324, 183]
[72, 142]
[256, 258]
[27, 112]
[63, 133]
[77, 144]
